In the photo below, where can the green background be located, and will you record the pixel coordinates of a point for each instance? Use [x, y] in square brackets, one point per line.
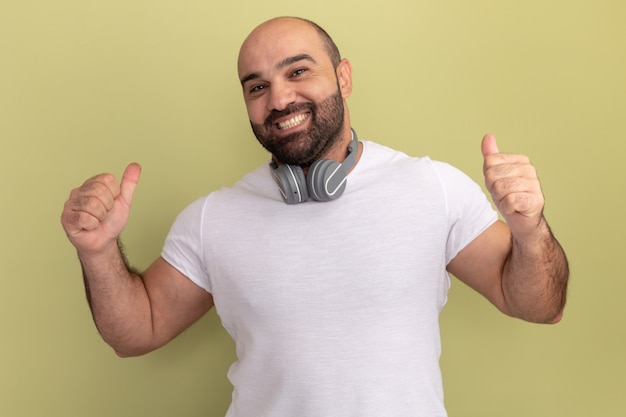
[89, 86]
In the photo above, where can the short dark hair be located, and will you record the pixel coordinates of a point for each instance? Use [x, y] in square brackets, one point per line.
[329, 44]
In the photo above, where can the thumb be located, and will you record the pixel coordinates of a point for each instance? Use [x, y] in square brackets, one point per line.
[130, 178]
[489, 145]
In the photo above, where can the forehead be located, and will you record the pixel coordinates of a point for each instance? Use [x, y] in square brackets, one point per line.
[275, 41]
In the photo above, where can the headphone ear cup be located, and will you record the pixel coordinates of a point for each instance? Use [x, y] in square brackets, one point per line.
[326, 180]
[291, 183]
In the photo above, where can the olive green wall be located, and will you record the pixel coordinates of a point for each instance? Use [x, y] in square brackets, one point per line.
[88, 86]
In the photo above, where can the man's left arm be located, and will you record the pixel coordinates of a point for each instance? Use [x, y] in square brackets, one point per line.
[518, 265]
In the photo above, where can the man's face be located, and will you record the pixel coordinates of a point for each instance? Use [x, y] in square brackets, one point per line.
[304, 145]
[291, 91]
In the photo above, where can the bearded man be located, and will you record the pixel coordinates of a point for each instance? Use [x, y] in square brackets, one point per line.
[329, 265]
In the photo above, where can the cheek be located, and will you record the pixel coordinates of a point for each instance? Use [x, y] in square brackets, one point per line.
[256, 111]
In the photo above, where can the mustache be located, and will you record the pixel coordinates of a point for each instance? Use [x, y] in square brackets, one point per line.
[291, 108]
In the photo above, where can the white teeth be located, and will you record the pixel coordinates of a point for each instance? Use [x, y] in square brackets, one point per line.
[294, 121]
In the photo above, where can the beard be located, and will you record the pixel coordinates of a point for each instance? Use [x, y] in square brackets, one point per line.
[305, 147]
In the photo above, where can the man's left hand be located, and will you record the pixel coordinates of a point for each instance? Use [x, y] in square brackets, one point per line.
[515, 189]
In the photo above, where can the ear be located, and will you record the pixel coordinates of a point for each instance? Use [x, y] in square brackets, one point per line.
[344, 77]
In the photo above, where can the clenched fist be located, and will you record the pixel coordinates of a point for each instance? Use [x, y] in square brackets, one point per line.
[96, 212]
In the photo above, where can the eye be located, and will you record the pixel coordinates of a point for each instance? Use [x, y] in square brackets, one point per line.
[298, 72]
[256, 88]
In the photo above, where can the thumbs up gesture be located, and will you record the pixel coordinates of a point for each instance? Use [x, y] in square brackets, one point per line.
[514, 187]
[96, 212]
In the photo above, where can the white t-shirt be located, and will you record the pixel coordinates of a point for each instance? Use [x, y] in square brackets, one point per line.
[334, 306]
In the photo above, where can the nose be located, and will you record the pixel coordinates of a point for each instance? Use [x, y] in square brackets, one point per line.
[281, 95]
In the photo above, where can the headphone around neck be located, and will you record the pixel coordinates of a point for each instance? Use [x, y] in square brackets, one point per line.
[325, 181]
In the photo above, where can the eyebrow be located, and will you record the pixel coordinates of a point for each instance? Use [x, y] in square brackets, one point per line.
[282, 64]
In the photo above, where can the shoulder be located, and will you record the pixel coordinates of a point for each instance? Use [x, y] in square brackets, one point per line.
[378, 156]
[257, 184]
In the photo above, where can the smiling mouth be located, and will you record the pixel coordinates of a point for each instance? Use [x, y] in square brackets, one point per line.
[293, 122]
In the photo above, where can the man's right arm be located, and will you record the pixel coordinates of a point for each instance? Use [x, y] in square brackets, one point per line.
[135, 313]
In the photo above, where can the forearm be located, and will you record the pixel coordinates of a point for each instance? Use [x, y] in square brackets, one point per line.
[118, 300]
[535, 276]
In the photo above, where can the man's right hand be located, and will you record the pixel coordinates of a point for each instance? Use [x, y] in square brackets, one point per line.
[96, 212]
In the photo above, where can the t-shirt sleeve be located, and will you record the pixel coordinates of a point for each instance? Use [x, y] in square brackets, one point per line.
[183, 245]
[469, 211]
